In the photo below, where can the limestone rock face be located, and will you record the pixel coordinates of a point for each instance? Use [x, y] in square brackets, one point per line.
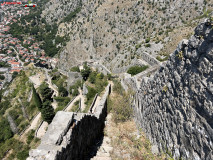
[175, 107]
[115, 32]
[56, 10]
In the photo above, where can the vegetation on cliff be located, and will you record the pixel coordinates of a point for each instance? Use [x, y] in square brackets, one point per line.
[127, 141]
[136, 69]
[16, 103]
[36, 100]
[47, 110]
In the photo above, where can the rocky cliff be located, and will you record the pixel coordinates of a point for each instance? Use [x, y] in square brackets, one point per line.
[116, 32]
[56, 10]
[175, 107]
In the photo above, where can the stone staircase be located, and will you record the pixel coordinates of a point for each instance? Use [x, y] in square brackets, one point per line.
[103, 152]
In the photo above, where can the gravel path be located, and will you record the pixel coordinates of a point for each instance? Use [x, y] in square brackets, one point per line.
[71, 104]
[96, 103]
[79, 97]
[34, 125]
[42, 130]
[103, 152]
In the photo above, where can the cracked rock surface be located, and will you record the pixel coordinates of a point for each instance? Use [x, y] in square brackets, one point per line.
[179, 119]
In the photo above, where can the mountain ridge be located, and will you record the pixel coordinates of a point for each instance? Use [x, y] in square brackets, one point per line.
[112, 32]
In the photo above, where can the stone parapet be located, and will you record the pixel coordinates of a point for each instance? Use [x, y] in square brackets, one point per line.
[71, 134]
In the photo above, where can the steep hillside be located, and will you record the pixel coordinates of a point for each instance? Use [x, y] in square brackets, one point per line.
[117, 32]
[174, 107]
[56, 10]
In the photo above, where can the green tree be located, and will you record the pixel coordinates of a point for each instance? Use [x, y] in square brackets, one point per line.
[22, 155]
[136, 69]
[45, 91]
[62, 91]
[91, 93]
[75, 69]
[100, 76]
[75, 92]
[14, 74]
[2, 77]
[92, 77]
[47, 112]
[109, 76]
[5, 131]
[85, 72]
[59, 39]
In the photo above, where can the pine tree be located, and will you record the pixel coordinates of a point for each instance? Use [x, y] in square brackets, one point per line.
[47, 111]
[45, 92]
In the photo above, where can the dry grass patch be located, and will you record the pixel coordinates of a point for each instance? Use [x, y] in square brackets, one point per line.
[128, 143]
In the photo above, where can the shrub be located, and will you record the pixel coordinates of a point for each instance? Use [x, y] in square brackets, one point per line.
[162, 59]
[62, 102]
[109, 76]
[72, 15]
[14, 75]
[30, 136]
[100, 84]
[75, 69]
[23, 154]
[5, 132]
[147, 40]
[136, 69]
[147, 45]
[92, 77]
[121, 108]
[75, 107]
[91, 93]
[75, 92]
[62, 91]
[2, 77]
[138, 46]
[85, 72]
[117, 87]
[100, 76]
[75, 88]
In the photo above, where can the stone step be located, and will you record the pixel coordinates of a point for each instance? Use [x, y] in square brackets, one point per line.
[106, 142]
[103, 154]
[105, 149]
[101, 158]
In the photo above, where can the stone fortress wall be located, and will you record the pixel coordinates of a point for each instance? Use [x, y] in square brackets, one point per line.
[138, 62]
[175, 107]
[71, 134]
